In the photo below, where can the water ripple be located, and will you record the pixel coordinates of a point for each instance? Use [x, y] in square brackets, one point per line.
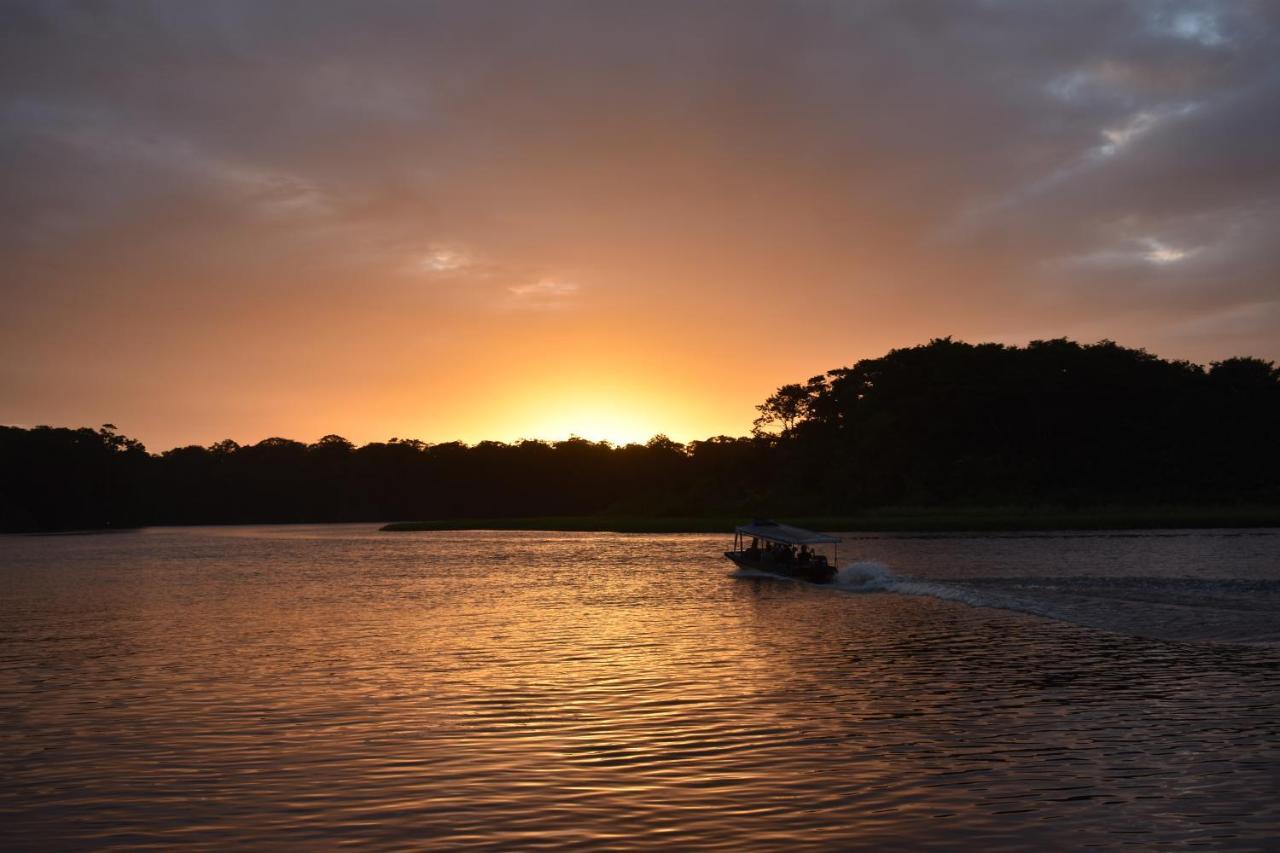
[313, 686]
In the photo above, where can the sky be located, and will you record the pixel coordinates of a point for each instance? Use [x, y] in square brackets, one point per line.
[490, 220]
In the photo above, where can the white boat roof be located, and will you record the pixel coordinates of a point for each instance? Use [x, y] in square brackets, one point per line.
[785, 533]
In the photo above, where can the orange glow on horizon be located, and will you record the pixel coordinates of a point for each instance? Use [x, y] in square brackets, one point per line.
[589, 416]
[632, 408]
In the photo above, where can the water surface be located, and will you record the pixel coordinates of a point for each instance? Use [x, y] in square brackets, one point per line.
[318, 685]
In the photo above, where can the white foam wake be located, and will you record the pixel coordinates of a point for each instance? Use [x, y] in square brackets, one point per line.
[871, 576]
[1230, 611]
[1190, 609]
[866, 576]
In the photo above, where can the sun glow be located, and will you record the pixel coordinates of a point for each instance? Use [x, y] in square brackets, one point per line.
[601, 417]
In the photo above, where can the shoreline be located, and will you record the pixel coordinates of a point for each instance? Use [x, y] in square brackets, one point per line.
[894, 520]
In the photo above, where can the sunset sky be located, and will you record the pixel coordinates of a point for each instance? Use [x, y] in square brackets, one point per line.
[495, 220]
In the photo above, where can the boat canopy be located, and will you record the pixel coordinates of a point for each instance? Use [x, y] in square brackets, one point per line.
[771, 531]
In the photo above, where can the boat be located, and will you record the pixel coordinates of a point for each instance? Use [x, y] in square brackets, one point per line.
[786, 550]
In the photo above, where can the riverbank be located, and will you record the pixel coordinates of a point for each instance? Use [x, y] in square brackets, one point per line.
[890, 519]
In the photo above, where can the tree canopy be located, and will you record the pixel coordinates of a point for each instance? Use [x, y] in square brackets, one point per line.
[945, 423]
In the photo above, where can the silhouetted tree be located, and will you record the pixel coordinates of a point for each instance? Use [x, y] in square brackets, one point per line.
[1055, 422]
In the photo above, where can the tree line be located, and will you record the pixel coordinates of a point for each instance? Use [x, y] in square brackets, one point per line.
[1055, 423]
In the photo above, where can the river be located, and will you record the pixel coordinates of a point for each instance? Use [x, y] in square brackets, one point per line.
[310, 686]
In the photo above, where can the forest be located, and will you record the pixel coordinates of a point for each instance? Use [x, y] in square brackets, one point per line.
[945, 424]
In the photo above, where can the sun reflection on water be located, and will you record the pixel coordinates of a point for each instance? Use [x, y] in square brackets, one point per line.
[310, 685]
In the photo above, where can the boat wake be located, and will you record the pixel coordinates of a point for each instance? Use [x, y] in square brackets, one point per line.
[866, 576]
[1215, 610]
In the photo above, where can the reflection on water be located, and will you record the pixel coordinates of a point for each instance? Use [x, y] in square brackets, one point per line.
[517, 691]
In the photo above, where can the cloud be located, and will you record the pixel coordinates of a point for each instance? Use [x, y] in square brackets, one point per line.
[441, 259]
[898, 170]
[1162, 253]
[1196, 22]
[542, 294]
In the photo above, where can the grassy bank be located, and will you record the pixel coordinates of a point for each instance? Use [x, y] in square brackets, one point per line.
[891, 519]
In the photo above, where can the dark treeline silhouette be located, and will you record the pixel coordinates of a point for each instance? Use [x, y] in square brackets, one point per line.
[1054, 423]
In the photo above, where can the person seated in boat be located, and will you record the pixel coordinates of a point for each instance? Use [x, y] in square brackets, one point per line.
[754, 551]
[804, 556]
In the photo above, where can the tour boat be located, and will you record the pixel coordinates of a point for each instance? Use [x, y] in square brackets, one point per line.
[786, 550]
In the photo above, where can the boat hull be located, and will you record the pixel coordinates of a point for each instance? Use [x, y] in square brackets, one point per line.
[813, 573]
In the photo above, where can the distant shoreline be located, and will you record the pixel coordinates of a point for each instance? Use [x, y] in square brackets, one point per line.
[957, 520]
